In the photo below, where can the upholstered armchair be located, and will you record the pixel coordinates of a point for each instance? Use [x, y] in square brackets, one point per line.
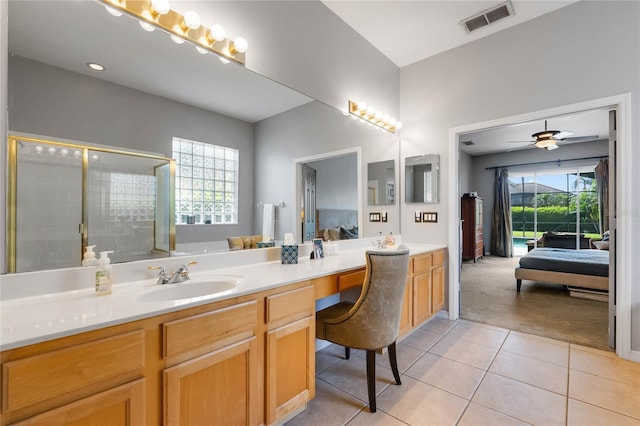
[373, 321]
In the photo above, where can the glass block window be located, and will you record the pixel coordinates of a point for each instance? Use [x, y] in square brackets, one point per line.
[131, 197]
[206, 183]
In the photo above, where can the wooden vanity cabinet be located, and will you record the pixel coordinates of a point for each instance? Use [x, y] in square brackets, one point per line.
[248, 360]
[70, 380]
[212, 367]
[424, 292]
[290, 351]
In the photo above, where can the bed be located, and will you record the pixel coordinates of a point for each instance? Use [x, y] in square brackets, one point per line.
[336, 224]
[587, 269]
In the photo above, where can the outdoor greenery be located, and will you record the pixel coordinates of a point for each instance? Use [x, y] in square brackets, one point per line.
[556, 211]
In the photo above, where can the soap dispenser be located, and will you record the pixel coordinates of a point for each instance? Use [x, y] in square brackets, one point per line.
[103, 274]
[89, 258]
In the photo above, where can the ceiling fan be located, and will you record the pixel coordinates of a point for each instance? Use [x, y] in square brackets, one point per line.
[548, 139]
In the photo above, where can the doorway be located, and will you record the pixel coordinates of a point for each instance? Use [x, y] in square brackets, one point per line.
[330, 182]
[620, 288]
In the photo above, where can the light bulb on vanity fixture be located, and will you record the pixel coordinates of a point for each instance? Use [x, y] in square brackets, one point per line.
[368, 114]
[152, 14]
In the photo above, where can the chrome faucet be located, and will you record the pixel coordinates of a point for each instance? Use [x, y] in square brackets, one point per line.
[181, 274]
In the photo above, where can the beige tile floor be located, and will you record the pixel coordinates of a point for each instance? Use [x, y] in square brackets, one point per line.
[472, 374]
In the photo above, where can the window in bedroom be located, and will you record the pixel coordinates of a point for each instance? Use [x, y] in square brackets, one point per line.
[206, 183]
[565, 201]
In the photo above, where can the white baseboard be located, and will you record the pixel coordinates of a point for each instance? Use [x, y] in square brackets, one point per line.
[634, 356]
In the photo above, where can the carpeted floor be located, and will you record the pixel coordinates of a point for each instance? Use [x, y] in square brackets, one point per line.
[489, 296]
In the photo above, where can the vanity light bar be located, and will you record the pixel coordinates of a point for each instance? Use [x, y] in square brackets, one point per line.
[177, 25]
[369, 114]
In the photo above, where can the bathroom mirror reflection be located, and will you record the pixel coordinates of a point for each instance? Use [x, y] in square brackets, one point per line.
[381, 183]
[114, 200]
[154, 90]
[421, 178]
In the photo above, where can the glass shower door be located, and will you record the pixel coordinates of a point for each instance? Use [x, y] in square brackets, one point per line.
[122, 206]
[48, 208]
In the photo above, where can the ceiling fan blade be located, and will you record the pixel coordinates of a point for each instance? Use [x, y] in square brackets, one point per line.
[582, 138]
[562, 135]
[552, 147]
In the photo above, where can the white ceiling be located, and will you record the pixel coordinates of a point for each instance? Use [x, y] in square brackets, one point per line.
[409, 31]
[518, 136]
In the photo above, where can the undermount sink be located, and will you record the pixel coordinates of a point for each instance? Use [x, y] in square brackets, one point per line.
[206, 285]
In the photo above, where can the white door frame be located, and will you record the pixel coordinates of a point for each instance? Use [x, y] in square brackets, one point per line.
[297, 178]
[622, 103]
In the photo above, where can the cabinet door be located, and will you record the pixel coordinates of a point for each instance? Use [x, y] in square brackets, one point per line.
[217, 388]
[290, 363]
[124, 405]
[421, 297]
[437, 289]
[407, 312]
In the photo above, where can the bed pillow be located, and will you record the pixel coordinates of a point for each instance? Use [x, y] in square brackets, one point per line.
[332, 234]
[235, 243]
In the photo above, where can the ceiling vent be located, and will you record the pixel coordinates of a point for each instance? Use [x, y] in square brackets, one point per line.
[489, 16]
[467, 143]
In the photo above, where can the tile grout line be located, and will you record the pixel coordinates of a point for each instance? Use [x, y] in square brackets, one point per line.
[566, 411]
[484, 374]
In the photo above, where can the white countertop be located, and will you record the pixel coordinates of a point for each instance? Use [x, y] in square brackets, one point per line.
[39, 318]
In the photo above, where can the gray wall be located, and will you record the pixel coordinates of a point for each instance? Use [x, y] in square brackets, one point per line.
[465, 167]
[50, 101]
[337, 182]
[587, 50]
[304, 45]
[312, 130]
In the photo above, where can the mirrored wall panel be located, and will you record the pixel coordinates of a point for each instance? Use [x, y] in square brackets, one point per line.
[381, 183]
[421, 178]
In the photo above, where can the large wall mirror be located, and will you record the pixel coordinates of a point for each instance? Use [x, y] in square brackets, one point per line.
[421, 178]
[153, 90]
[381, 183]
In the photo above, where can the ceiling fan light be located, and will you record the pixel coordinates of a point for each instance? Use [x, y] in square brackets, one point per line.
[545, 143]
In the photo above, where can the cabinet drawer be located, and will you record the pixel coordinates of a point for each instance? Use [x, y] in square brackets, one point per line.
[41, 377]
[351, 279]
[421, 263]
[196, 335]
[289, 306]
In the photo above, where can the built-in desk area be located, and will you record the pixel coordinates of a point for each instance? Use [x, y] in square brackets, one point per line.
[243, 357]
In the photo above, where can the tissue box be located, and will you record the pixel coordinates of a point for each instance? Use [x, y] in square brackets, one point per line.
[289, 254]
[263, 244]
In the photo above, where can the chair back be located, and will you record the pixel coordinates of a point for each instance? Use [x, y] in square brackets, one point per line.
[373, 322]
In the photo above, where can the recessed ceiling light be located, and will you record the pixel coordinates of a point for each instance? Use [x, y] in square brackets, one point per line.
[94, 66]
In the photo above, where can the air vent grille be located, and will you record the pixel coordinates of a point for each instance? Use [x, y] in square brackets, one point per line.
[498, 14]
[476, 23]
[489, 16]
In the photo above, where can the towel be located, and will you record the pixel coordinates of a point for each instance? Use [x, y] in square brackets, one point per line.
[268, 221]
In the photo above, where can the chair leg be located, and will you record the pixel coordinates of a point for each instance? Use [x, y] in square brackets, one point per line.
[371, 379]
[347, 352]
[394, 362]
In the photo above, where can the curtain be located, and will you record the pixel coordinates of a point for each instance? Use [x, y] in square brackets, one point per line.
[501, 232]
[602, 182]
